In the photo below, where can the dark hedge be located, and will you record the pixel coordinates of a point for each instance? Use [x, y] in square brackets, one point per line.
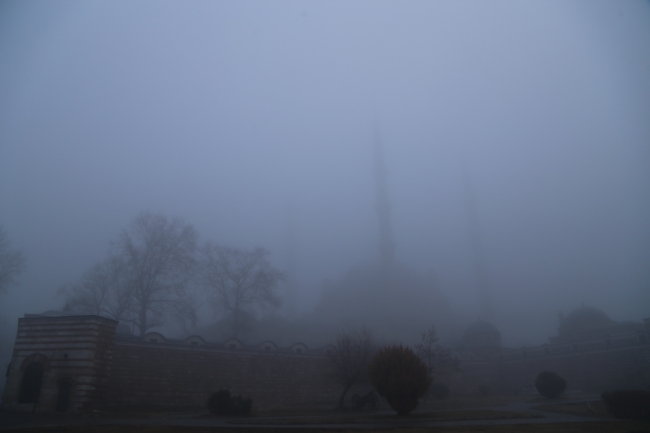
[223, 403]
[628, 404]
[550, 384]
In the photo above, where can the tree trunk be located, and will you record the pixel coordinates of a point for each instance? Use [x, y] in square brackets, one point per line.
[143, 321]
[235, 323]
[341, 404]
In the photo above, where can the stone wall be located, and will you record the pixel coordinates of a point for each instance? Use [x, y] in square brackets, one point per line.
[586, 368]
[165, 374]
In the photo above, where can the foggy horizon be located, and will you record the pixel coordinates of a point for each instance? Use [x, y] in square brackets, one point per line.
[254, 122]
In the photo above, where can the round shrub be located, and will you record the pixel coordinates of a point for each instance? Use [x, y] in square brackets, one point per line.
[223, 403]
[240, 406]
[400, 376]
[219, 402]
[439, 391]
[550, 384]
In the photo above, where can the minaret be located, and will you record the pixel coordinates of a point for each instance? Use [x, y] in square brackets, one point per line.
[484, 295]
[290, 304]
[386, 243]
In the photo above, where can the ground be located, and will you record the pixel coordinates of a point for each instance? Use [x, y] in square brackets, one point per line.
[493, 415]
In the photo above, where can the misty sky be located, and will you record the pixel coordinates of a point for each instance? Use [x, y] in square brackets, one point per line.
[229, 114]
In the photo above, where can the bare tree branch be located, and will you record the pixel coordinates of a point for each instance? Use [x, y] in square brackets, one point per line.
[12, 263]
[238, 280]
[145, 279]
[439, 361]
[106, 289]
[351, 354]
[160, 257]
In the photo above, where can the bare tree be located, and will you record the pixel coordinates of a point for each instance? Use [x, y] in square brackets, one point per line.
[239, 280]
[438, 360]
[349, 358]
[160, 257]
[106, 289]
[145, 278]
[12, 263]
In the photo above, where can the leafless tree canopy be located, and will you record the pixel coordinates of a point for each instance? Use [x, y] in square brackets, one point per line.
[160, 257]
[106, 289]
[145, 278]
[350, 356]
[12, 263]
[439, 361]
[238, 280]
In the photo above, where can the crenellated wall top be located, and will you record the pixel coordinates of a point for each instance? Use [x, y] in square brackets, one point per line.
[232, 344]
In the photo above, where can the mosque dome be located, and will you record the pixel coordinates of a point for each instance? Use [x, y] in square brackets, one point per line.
[584, 319]
[585, 323]
[482, 335]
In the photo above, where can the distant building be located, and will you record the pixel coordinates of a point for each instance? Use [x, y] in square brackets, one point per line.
[591, 351]
[586, 324]
[482, 337]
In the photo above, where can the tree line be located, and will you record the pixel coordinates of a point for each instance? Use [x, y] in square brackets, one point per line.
[12, 263]
[155, 269]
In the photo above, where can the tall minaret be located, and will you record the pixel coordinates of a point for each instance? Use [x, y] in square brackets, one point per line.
[484, 295]
[386, 243]
[290, 301]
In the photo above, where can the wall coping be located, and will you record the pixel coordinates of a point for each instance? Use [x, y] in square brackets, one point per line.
[225, 346]
[547, 351]
[78, 317]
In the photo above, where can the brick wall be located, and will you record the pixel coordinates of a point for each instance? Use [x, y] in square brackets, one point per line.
[154, 374]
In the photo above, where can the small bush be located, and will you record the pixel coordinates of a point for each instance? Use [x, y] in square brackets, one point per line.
[400, 376]
[550, 384]
[241, 406]
[219, 402]
[439, 391]
[223, 403]
[628, 404]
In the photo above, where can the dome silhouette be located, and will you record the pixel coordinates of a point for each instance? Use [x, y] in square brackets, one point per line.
[584, 319]
[588, 323]
[482, 335]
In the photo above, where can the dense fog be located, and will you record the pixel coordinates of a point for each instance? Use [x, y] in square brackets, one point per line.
[513, 176]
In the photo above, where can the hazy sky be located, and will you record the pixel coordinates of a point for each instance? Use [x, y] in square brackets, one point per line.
[228, 114]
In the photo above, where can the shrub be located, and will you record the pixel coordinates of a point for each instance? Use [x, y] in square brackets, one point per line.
[439, 391]
[550, 384]
[400, 376]
[223, 403]
[241, 406]
[628, 404]
[219, 402]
